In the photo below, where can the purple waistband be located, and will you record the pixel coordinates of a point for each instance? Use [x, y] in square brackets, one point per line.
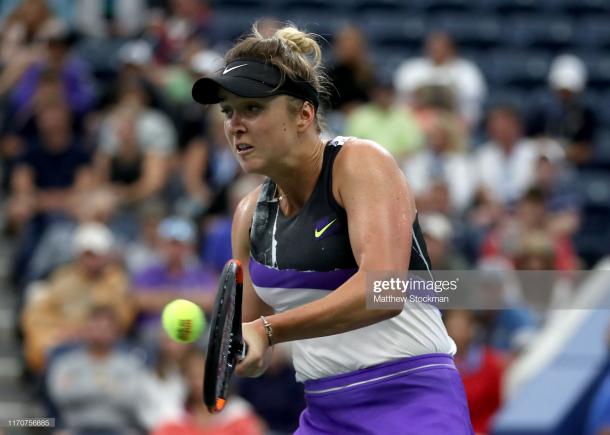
[380, 372]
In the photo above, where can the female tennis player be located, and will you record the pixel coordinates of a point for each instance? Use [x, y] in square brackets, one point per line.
[327, 213]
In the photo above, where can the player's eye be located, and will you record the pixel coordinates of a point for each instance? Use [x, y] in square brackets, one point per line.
[226, 111]
[254, 108]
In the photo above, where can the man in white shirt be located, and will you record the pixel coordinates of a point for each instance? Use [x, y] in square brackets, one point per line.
[443, 67]
[506, 164]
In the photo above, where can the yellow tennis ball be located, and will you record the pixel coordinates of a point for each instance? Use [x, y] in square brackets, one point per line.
[183, 320]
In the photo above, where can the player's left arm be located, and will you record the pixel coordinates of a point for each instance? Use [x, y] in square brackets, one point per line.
[380, 210]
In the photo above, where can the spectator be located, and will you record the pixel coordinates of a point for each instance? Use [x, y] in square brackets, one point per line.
[443, 67]
[532, 216]
[56, 62]
[236, 418]
[508, 319]
[480, 367]
[179, 275]
[505, 164]
[443, 161]
[95, 205]
[57, 313]
[45, 180]
[134, 145]
[21, 31]
[565, 117]
[438, 232]
[282, 416]
[209, 168]
[110, 18]
[54, 166]
[352, 73]
[166, 389]
[97, 387]
[188, 19]
[216, 241]
[385, 123]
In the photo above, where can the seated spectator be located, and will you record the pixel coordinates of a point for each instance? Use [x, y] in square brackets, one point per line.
[57, 313]
[565, 116]
[509, 321]
[20, 39]
[208, 169]
[97, 387]
[237, 416]
[187, 20]
[438, 233]
[166, 388]
[505, 164]
[96, 205]
[351, 74]
[135, 144]
[54, 169]
[531, 215]
[385, 123]
[444, 161]
[73, 75]
[179, 275]
[281, 416]
[54, 166]
[110, 18]
[216, 241]
[480, 367]
[442, 66]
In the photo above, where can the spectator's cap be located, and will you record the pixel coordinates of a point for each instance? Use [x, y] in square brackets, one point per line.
[178, 229]
[437, 226]
[206, 62]
[568, 72]
[93, 237]
[135, 53]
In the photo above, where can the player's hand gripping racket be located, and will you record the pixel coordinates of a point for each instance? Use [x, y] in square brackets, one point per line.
[225, 345]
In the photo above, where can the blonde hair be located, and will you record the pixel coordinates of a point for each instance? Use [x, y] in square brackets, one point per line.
[295, 53]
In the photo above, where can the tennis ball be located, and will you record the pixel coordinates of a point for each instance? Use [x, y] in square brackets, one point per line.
[183, 320]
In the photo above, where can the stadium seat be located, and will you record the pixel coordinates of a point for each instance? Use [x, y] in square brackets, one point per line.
[468, 30]
[394, 31]
[367, 6]
[230, 24]
[502, 7]
[594, 32]
[576, 7]
[521, 68]
[598, 69]
[324, 24]
[443, 6]
[538, 31]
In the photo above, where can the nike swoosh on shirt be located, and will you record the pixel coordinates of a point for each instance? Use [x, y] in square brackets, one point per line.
[318, 233]
[232, 68]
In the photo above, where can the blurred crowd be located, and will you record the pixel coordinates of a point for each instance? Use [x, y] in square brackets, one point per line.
[119, 192]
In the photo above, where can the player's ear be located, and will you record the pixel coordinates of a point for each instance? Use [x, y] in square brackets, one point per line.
[306, 116]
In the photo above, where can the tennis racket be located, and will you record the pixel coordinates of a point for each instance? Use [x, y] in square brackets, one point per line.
[225, 344]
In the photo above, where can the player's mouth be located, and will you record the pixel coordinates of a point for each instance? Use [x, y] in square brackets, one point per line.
[243, 148]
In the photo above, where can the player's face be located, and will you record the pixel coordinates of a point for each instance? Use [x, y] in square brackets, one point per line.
[260, 131]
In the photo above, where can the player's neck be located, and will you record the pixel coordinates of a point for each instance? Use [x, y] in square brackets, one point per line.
[296, 184]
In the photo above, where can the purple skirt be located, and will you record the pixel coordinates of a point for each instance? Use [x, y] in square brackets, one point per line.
[421, 395]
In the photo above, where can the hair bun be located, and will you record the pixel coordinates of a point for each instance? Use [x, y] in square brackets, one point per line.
[300, 42]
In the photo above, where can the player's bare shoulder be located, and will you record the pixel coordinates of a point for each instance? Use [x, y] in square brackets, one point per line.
[362, 154]
[363, 159]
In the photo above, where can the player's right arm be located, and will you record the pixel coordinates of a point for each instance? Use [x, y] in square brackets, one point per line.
[252, 306]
